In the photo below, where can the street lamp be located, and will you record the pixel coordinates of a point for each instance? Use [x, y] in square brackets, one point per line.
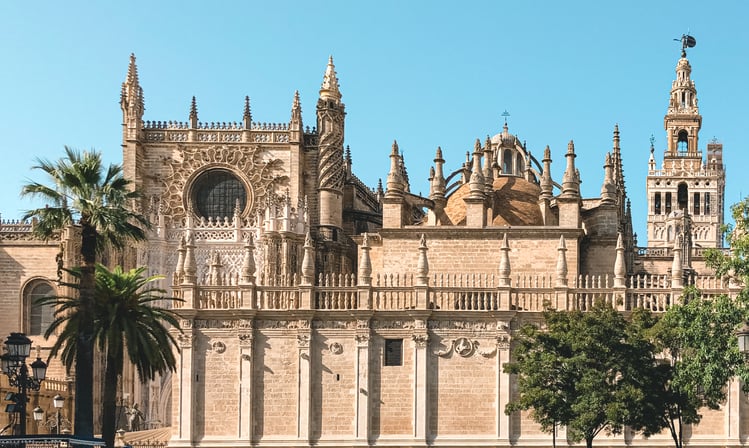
[743, 338]
[56, 421]
[13, 364]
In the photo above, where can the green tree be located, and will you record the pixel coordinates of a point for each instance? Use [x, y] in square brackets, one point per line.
[82, 193]
[587, 370]
[127, 321]
[699, 339]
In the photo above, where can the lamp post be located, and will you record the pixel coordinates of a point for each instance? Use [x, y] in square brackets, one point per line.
[13, 363]
[56, 421]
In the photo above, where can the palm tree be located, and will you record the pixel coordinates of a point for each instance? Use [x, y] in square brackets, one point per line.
[82, 193]
[127, 321]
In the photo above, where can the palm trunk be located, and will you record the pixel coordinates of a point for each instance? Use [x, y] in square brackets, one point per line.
[84, 359]
[109, 399]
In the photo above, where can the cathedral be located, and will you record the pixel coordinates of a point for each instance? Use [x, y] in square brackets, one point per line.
[319, 311]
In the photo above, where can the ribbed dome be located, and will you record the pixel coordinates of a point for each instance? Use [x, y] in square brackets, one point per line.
[514, 203]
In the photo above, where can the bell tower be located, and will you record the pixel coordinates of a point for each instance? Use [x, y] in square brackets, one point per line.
[688, 183]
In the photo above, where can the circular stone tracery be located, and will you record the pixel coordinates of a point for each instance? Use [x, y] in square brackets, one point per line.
[215, 194]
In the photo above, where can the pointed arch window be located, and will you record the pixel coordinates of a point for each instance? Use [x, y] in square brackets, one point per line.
[668, 202]
[707, 203]
[657, 204]
[38, 317]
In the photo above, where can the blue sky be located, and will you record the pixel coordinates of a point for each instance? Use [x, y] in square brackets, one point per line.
[424, 73]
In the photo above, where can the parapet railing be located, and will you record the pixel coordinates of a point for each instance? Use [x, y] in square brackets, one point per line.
[446, 292]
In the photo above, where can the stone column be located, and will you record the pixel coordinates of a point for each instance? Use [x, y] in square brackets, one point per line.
[304, 339]
[182, 386]
[421, 376]
[246, 364]
[504, 385]
[363, 388]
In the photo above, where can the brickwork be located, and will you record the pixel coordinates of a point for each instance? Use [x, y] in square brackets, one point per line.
[333, 385]
[392, 389]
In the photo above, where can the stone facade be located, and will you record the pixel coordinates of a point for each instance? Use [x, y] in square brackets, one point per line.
[320, 312]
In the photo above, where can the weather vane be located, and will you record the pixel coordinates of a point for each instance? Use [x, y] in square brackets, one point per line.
[505, 114]
[687, 41]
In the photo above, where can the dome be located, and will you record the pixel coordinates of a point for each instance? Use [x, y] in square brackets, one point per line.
[514, 203]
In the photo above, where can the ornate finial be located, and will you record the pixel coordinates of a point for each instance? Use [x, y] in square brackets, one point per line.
[246, 112]
[570, 179]
[348, 154]
[132, 70]
[652, 143]
[329, 88]
[504, 263]
[193, 113]
[297, 103]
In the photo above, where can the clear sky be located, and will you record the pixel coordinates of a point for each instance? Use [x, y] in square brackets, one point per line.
[424, 73]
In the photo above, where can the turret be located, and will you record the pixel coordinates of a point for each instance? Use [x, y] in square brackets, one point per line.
[569, 202]
[131, 103]
[330, 126]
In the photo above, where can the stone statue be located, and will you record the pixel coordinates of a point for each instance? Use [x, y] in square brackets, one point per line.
[134, 418]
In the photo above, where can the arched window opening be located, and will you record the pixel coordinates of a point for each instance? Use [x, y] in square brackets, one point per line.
[657, 204]
[668, 203]
[519, 165]
[696, 203]
[682, 144]
[682, 197]
[38, 316]
[507, 162]
[707, 203]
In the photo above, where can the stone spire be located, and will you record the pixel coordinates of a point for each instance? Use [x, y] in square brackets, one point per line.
[620, 266]
[296, 112]
[504, 263]
[365, 264]
[437, 186]
[246, 114]
[308, 262]
[394, 182]
[570, 180]
[488, 169]
[248, 264]
[547, 185]
[191, 267]
[131, 101]
[193, 114]
[616, 159]
[329, 89]
[608, 190]
[562, 263]
[422, 268]
[476, 183]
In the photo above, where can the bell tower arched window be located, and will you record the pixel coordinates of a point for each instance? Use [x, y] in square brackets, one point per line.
[682, 143]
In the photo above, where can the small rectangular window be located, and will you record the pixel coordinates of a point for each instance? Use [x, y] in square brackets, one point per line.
[668, 203]
[657, 201]
[393, 352]
[696, 203]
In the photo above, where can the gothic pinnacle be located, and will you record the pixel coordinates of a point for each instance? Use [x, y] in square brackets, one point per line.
[329, 89]
[570, 180]
[193, 113]
[246, 114]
